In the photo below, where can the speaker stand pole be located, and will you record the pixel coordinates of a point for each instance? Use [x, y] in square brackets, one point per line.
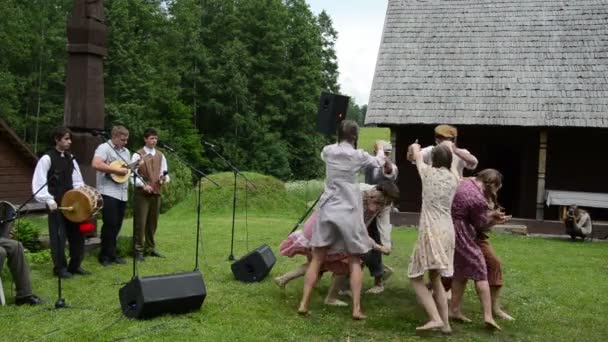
[200, 174]
[247, 181]
[133, 251]
[198, 221]
[231, 256]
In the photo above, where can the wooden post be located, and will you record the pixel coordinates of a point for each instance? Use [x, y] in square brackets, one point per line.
[542, 169]
[84, 87]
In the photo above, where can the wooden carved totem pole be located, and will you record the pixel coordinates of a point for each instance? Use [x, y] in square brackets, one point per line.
[84, 91]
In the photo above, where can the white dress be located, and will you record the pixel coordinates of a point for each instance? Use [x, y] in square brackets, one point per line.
[340, 224]
[434, 249]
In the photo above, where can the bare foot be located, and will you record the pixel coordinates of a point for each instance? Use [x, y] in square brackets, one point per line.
[335, 302]
[503, 315]
[446, 330]
[430, 326]
[303, 310]
[491, 324]
[459, 317]
[359, 316]
[280, 283]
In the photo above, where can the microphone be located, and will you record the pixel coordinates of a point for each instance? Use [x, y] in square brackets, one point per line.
[208, 144]
[167, 147]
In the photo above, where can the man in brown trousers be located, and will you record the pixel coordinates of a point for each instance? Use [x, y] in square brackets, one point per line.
[153, 170]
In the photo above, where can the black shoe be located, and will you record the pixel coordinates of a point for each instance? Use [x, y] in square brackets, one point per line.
[63, 274]
[119, 261]
[80, 271]
[139, 257]
[30, 300]
[105, 262]
[156, 254]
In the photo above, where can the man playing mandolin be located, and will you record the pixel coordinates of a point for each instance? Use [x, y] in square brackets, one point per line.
[112, 183]
[153, 170]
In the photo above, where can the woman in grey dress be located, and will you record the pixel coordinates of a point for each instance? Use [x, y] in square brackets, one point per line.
[340, 225]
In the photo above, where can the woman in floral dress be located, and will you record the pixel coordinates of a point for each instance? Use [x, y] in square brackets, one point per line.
[474, 211]
[434, 249]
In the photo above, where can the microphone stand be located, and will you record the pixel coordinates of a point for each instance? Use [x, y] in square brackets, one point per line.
[236, 172]
[200, 175]
[306, 214]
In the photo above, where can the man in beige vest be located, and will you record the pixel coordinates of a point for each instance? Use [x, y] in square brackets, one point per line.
[153, 170]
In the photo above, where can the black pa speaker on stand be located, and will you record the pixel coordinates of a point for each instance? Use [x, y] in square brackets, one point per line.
[332, 111]
[153, 296]
[254, 266]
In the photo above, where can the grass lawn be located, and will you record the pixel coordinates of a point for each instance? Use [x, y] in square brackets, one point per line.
[369, 135]
[556, 290]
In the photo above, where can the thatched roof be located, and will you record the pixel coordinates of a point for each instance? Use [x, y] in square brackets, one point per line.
[493, 62]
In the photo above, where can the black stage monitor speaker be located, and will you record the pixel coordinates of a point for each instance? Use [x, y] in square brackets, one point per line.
[255, 265]
[332, 110]
[148, 297]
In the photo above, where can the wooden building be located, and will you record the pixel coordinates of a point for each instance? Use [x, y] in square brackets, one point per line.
[524, 81]
[17, 163]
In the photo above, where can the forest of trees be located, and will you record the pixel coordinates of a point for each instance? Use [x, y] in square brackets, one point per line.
[244, 74]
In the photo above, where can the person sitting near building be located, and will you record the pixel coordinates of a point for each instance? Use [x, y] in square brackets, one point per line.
[15, 253]
[578, 223]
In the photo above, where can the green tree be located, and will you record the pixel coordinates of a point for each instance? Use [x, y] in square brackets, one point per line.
[330, 61]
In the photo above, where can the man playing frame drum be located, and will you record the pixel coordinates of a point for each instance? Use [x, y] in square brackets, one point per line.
[60, 172]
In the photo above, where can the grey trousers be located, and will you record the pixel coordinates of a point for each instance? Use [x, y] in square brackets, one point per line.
[13, 251]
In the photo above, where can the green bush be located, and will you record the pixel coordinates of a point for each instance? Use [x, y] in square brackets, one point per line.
[28, 234]
[40, 258]
[177, 189]
[270, 196]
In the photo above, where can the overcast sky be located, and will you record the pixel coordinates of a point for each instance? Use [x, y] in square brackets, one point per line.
[359, 24]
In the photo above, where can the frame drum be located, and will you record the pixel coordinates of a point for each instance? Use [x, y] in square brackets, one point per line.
[78, 205]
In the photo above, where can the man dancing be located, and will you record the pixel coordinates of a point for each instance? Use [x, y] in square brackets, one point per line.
[380, 228]
[461, 157]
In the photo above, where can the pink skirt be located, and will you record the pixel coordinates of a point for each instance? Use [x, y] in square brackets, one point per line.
[298, 243]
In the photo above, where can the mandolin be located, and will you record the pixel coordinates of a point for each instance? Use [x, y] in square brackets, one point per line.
[130, 167]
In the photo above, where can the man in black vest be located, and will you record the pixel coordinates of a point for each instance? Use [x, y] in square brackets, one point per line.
[58, 169]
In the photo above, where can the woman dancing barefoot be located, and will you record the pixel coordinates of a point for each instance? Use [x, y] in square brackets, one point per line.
[473, 213]
[340, 225]
[434, 249]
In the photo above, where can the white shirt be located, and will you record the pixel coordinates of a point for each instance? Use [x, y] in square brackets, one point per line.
[39, 179]
[106, 186]
[163, 165]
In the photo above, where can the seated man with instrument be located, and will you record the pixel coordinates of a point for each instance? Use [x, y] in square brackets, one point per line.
[56, 173]
[110, 161]
[578, 223]
[153, 170]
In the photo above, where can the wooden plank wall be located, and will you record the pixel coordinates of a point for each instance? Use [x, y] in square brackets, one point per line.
[15, 174]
